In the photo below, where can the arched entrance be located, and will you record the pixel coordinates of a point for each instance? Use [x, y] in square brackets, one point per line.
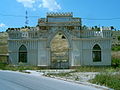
[59, 51]
[23, 54]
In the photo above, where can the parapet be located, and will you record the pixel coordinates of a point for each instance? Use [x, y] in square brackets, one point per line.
[60, 14]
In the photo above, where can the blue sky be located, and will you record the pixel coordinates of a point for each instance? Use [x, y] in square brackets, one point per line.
[100, 10]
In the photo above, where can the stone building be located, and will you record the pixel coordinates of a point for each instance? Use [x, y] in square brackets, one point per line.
[84, 47]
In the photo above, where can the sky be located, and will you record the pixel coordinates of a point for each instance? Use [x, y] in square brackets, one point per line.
[92, 12]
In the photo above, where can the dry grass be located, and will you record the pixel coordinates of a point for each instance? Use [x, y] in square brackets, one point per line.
[59, 44]
[3, 43]
[116, 54]
[3, 46]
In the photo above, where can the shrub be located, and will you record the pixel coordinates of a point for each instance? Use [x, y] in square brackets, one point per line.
[115, 48]
[115, 62]
[108, 79]
[2, 65]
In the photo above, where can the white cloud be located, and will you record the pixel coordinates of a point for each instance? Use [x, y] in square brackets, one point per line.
[27, 3]
[2, 25]
[51, 5]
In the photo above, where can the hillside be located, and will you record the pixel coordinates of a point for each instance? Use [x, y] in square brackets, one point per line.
[3, 42]
[59, 44]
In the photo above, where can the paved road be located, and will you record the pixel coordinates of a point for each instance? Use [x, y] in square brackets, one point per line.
[19, 81]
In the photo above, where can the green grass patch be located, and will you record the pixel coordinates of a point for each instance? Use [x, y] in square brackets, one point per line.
[92, 68]
[115, 62]
[115, 48]
[2, 65]
[108, 79]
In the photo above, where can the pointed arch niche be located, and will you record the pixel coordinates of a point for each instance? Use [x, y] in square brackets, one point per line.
[59, 51]
[96, 53]
[23, 54]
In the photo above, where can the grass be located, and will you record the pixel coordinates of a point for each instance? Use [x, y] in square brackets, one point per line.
[108, 79]
[109, 76]
[3, 43]
[3, 50]
[115, 48]
[92, 69]
[63, 74]
[4, 66]
[115, 62]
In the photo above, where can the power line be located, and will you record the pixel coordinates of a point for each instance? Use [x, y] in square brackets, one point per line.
[118, 18]
[101, 18]
[16, 15]
[11, 15]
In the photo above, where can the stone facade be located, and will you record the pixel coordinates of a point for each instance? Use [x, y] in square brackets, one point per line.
[86, 46]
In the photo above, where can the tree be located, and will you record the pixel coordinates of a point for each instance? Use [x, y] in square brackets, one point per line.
[112, 27]
[119, 38]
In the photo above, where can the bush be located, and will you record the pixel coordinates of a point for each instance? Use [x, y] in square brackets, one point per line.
[2, 65]
[108, 79]
[116, 62]
[115, 48]
[119, 38]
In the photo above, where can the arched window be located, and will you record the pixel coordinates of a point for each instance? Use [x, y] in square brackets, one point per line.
[23, 54]
[96, 53]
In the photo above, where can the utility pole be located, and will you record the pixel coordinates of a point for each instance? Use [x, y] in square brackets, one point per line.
[26, 18]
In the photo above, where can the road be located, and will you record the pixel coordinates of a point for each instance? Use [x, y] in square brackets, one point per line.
[10, 80]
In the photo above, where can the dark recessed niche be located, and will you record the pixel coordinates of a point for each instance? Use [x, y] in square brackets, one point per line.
[63, 37]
